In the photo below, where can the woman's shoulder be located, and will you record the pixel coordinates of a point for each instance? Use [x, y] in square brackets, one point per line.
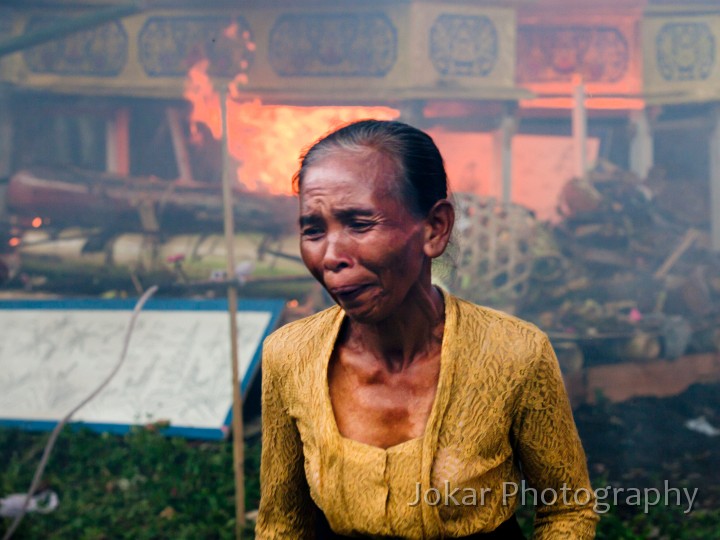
[489, 324]
[494, 320]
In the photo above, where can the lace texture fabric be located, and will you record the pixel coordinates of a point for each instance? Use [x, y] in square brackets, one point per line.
[500, 425]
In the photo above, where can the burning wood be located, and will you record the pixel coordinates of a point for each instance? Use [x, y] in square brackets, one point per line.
[79, 198]
[264, 139]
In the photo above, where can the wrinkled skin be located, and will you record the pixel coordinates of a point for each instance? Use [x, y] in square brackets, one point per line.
[362, 243]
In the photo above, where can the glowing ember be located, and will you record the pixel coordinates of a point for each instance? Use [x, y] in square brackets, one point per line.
[266, 140]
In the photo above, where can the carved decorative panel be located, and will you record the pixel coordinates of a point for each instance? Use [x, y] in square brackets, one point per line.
[555, 53]
[463, 45]
[98, 52]
[685, 51]
[170, 46]
[333, 45]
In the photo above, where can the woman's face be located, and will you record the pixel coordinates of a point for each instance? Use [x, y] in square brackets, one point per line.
[357, 236]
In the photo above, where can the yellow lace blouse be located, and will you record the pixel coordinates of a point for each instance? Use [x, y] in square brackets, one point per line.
[500, 407]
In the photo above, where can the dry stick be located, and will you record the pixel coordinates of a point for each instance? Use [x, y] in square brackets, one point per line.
[237, 423]
[54, 435]
[690, 236]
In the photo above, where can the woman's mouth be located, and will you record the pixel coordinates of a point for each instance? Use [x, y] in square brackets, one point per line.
[348, 292]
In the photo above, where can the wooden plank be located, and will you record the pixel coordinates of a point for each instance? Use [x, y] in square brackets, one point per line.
[619, 382]
[641, 145]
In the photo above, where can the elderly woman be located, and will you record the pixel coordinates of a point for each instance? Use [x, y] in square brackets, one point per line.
[404, 411]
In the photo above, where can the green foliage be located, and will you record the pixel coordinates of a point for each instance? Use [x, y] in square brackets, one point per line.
[138, 486]
[661, 522]
[145, 486]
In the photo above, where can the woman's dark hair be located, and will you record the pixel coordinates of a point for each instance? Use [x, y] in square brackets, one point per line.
[419, 163]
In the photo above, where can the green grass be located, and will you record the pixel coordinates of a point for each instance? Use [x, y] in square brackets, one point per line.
[139, 486]
[147, 486]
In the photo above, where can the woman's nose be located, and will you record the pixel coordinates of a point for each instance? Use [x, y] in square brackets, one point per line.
[337, 254]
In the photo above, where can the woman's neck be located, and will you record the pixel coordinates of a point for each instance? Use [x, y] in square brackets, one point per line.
[414, 331]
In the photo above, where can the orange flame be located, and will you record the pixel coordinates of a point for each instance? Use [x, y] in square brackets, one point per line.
[205, 101]
[266, 140]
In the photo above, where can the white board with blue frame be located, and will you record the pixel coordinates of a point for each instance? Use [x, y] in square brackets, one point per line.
[53, 353]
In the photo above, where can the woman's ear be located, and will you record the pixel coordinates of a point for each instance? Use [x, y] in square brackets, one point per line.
[438, 228]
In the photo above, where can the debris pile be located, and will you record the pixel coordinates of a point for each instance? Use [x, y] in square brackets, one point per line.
[626, 275]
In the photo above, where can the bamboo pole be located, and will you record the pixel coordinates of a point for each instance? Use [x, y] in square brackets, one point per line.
[579, 127]
[714, 150]
[507, 130]
[237, 423]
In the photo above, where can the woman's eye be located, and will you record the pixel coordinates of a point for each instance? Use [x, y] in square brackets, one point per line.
[311, 232]
[361, 225]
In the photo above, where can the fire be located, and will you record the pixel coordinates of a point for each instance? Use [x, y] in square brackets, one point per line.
[266, 140]
[205, 101]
